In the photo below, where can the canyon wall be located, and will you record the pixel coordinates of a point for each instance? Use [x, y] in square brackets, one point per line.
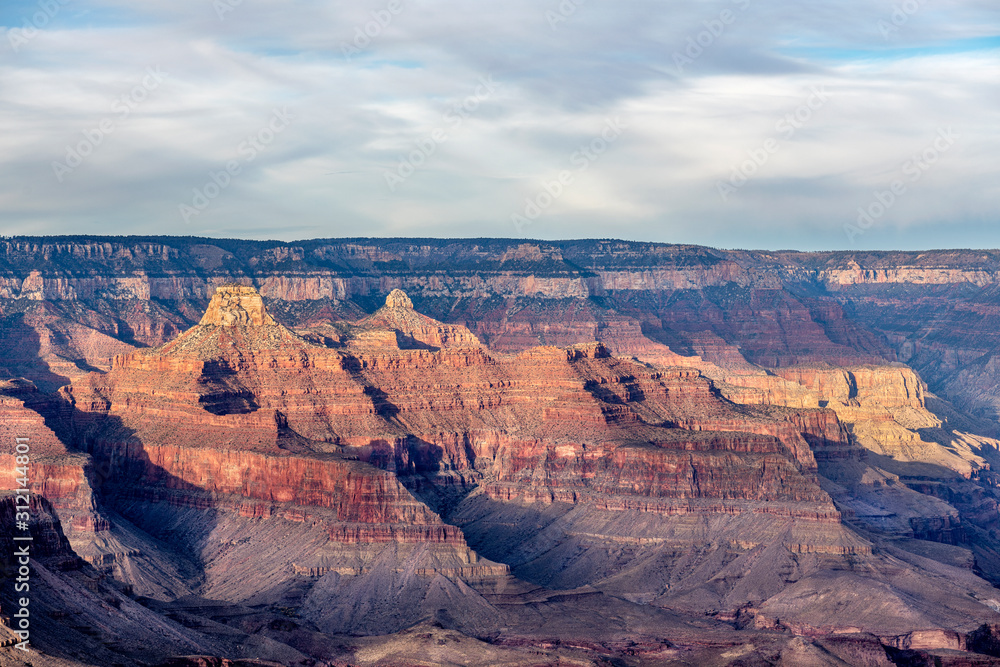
[937, 311]
[725, 434]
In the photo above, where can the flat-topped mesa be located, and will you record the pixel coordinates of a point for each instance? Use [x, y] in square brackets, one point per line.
[236, 305]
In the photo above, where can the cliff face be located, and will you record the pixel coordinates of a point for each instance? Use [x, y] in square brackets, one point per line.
[905, 471]
[935, 311]
[256, 437]
[64, 478]
[236, 305]
[243, 416]
[885, 410]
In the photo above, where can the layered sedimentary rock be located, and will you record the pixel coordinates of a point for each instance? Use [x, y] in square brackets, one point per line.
[883, 407]
[46, 467]
[236, 305]
[261, 388]
[71, 483]
[411, 328]
[907, 472]
[934, 310]
[79, 616]
[241, 415]
[395, 461]
[49, 346]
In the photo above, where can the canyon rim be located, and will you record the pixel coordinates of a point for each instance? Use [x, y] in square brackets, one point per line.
[496, 452]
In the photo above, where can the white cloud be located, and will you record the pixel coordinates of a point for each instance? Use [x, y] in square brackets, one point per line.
[354, 118]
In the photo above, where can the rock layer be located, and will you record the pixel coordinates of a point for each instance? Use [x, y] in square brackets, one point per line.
[236, 305]
[254, 420]
[398, 460]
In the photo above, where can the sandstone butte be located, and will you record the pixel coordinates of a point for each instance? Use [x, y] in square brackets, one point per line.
[69, 305]
[369, 473]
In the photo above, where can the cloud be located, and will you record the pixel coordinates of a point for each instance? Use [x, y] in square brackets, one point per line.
[367, 84]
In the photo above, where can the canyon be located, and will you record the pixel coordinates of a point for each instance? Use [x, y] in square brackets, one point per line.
[579, 452]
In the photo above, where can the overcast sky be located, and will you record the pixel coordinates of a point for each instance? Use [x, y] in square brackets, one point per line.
[737, 124]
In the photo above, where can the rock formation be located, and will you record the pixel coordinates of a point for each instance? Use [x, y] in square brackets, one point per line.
[241, 420]
[236, 305]
[370, 472]
[64, 478]
[410, 327]
[931, 310]
[907, 472]
[241, 415]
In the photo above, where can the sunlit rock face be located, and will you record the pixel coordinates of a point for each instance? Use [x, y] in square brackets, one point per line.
[397, 299]
[236, 305]
[482, 442]
[371, 438]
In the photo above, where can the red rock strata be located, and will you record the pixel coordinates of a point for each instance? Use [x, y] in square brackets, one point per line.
[240, 428]
[272, 466]
[53, 472]
[241, 415]
[241, 412]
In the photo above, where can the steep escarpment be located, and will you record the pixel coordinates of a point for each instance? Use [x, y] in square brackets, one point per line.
[263, 443]
[886, 412]
[935, 310]
[229, 417]
[64, 478]
[907, 472]
[240, 418]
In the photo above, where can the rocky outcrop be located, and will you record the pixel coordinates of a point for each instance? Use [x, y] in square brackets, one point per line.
[885, 410]
[910, 275]
[411, 329]
[404, 459]
[236, 305]
[773, 309]
[240, 415]
[890, 387]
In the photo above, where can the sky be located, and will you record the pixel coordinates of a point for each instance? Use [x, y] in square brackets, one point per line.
[826, 124]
